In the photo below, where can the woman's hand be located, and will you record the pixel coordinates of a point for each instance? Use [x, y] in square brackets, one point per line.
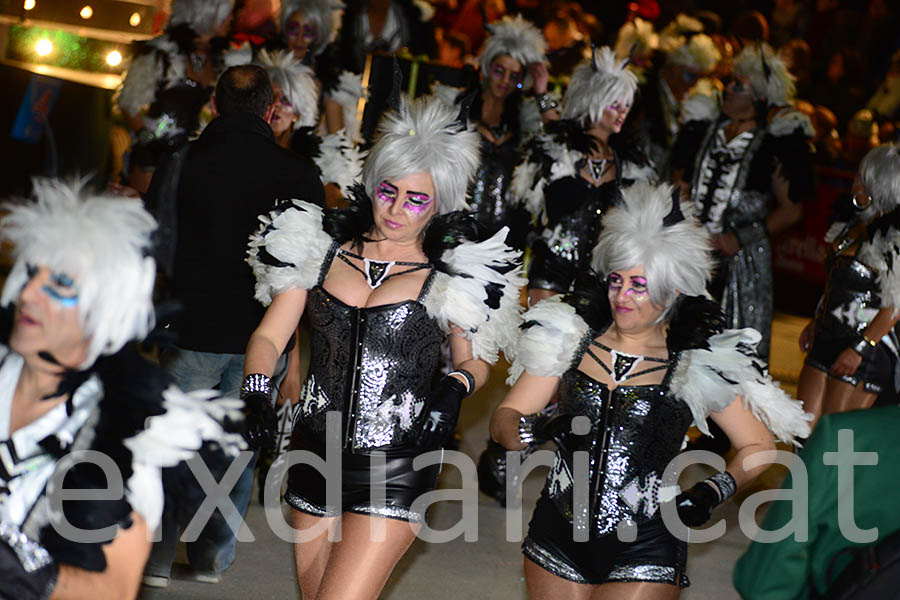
[540, 75]
[807, 336]
[846, 363]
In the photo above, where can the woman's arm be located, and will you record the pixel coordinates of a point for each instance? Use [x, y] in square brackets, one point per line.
[848, 361]
[748, 435]
[529, 395]
[461, 352]
[271, 336]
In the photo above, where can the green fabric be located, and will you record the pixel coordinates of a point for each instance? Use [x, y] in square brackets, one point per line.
[781, 570]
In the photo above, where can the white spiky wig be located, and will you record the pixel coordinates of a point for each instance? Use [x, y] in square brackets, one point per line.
[675, 33]
[424, 135]
[597, 83]
[769, 76]
[102, 243]
[324, 14]
[880, 173]
[516, 37]
[638, 32]
[676, 257]
[699, 53]
[296, 80]
[204, 16]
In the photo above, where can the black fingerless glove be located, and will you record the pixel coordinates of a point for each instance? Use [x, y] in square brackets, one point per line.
[440, 413]
[35, 583]
[260, 421]
[696, 504]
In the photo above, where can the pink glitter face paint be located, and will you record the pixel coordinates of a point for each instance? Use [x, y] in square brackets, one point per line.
[638, 287]
[386, 192]
[416, 202]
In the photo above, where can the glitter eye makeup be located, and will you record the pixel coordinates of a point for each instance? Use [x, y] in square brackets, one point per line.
[638, 288]
[416, 202]
[386, 192]
[310, 32]
[284, 101]
[498, 71]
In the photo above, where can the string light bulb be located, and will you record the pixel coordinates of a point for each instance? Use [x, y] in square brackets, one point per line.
[29, 4]
[114, 58]
[86, 12]
[43, 47]
[135, 19]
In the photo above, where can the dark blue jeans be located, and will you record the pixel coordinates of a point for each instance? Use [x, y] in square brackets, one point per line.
[213, 551]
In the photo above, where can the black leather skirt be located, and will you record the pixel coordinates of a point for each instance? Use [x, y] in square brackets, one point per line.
[654, 556]
[876, 372]
[376, 484]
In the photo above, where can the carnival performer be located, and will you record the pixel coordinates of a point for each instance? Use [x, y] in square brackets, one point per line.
[576, 171]
[739, 161]
[294, 121]
[71, 382]
[634, 358]
[170, 80]
[851, 342]
[384, 283]
[510, 63]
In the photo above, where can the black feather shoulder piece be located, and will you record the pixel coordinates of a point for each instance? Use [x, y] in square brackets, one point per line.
[354, 222]
[590, 300]
[694, 321]
[305, 142]
[446, 232]
[571, 134]
[885, 222]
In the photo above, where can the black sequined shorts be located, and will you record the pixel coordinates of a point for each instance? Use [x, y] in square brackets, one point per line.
[876, 373]
[655, 556]
[397, 485]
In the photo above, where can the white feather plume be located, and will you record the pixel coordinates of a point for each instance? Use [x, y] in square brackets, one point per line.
[146, 71]
[527, 191]
[293, 236]
[461, 299]
[189, 420]
[340, 161]
[699, 107]
[789, 120]
[347, 94]
[548, 345]
[709, 380]
[882, 253]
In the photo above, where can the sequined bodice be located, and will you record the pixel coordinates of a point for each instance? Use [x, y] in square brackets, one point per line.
[490, 188]
[574, 212]
[636, 431]
[851, 296]
[375, 365]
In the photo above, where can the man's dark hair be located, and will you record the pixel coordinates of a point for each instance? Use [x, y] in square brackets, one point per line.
[244, 89]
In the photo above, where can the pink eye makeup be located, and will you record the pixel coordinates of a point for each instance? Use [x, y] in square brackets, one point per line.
[386, 192]
[307, 30]
[638, 287]
[416, 202]
[515, 77]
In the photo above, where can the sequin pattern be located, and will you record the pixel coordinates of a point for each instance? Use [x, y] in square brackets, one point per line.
[375, 365]
[489, 190]
[644, 430]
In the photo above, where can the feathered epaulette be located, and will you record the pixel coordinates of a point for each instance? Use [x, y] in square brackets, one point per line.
[694, 320]
[882, 252]
[476, 286]
[790, 121]
[288, 249]
[155, 66]
[143, 424]
[306, 142]
[549, 339]
[353, 222]
[709, 379]
[340, 161]
[699, 107]
[548, 157]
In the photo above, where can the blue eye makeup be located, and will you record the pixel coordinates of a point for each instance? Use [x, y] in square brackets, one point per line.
[59, 287]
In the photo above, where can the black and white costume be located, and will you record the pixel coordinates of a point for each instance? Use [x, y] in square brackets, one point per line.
[635, 431]
[376, 365]
[568, 208]
[731, 183]
[862, 278]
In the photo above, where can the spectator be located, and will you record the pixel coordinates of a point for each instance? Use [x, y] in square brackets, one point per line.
[233, 172]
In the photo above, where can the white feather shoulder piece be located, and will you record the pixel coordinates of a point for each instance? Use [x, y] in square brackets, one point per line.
[347, 94]
[294, 246]
[527, 185]
[699, 107]
[882, 253]
[548, 340]
[189, 420]
[637, 172]
[789, 120]
[447, 93]
[480, 295]
[709, 380]
[146, 72]
[340, 160]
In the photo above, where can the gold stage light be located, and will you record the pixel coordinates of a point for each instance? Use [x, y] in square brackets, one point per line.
[43, 47]
[114, 58]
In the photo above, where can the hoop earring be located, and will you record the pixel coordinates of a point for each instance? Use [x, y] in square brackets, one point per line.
[859, 206]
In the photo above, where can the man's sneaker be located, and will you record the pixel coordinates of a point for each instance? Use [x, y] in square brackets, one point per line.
[204, 577]
[155, 581]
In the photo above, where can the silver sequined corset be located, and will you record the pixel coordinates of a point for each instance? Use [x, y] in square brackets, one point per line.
[636, 431]
[851, 296]
[574, 213]
[375, 365]
[489, 189]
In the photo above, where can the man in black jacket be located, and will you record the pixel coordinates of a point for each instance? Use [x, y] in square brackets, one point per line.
[234, 172]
